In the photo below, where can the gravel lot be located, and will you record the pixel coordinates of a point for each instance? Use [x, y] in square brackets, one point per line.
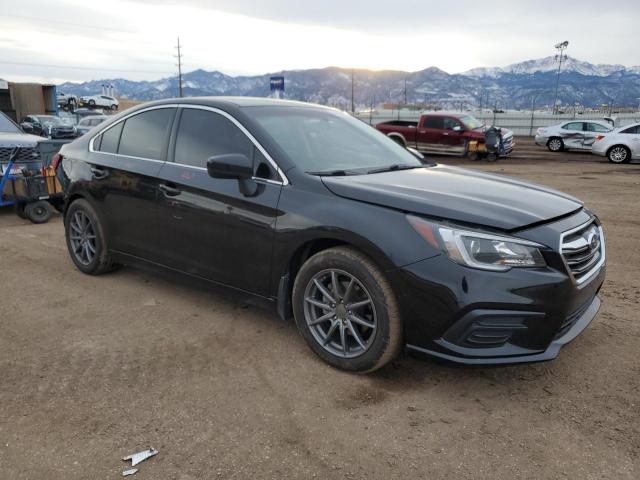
[94, 368]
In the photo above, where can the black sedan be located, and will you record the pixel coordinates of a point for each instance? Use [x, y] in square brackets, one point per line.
[369, 247]
[49, 126]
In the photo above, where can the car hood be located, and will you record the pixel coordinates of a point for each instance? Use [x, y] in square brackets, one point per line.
[18, 140]
[458, 194]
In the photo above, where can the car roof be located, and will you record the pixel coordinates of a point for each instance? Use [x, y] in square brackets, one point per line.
[446, 114]
[235, 101]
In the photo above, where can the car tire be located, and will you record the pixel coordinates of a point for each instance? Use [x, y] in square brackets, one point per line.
[358, 328]
[92, 103]
[86, 240]
[619, 154]
[38, 212]
[555, 144]
[114, 107]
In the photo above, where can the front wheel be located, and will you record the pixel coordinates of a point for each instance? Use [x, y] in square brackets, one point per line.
[114, 107]
[86, 240]
[555, 144]
[619, 154]
[346, 310]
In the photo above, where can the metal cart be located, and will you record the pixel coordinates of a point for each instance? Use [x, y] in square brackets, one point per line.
[30, 192]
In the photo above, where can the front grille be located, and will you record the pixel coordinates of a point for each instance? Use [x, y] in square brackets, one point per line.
[26, 154]
[583, 251]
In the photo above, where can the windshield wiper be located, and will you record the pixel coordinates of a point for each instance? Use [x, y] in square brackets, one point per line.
[395, 166]
[334, 173]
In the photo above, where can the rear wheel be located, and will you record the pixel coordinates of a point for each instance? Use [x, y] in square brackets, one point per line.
[555, 144]
[38, 212]
[619, 154]
[114, 107]
[86, 240]
[346, 310]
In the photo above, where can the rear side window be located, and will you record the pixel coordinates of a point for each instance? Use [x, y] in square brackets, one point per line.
[576, 126]
[145, 135]
[203, 134]
[108, 141]
[434, 122]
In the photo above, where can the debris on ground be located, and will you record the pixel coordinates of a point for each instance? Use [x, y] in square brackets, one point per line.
[131, 471]
[136, 458]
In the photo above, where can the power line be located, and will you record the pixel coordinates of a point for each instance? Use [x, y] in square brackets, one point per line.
[73, 67]
[49, 21]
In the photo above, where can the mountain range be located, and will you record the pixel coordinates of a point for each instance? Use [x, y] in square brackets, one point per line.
[517, 86]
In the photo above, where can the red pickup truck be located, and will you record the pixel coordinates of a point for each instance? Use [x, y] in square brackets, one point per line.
[444, 133]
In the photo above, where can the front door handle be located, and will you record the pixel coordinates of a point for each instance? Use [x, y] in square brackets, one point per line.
[169, 190]
[98, 173]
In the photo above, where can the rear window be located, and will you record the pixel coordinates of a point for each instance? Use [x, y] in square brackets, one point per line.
[434, 122]
[595, 127]
[145, 135]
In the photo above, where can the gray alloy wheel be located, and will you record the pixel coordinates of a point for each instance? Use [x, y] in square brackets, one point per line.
[340, 313]
[555, 144]
[82, 236]
[619, 154]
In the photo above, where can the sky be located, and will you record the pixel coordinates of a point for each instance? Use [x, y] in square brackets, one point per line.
[79, 40]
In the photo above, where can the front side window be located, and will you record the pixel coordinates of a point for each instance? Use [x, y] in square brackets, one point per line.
[450, 123]
[203, 134]
[145, 134]
[575, 126]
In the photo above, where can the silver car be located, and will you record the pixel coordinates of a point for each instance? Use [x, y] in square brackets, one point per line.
[619, 146]
[572, 134]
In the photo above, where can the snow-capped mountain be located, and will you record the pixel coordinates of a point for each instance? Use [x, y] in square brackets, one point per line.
[548, 64]
[516, 86]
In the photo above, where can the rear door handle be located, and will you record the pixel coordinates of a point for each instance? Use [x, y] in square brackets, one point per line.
[169, 191]
[99, 173]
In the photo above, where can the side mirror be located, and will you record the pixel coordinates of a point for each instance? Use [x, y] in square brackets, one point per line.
[26, 127]
[230, 165]
[457, 128]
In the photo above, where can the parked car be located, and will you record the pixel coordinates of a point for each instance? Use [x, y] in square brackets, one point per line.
[67, 101]
[316, 214]
[49, 126]
[571, 135]
[438, 133]
[87, 123]
[620, 145]
[11, 136]
[104, 101]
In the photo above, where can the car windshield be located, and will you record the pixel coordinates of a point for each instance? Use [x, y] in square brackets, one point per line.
[471, 122]
[7, 126]
[57, 121]
[329, 141]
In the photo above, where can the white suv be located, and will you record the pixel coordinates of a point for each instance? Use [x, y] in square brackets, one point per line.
[619, 146]
[104, 101]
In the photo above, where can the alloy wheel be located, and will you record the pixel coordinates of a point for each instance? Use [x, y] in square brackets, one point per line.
[618, 154]
[83, 237]
[555, 145]
[340, 313]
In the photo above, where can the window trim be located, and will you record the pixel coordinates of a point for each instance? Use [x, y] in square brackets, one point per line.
[279, 171]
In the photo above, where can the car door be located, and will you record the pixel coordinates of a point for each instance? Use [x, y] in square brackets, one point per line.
[573, 135]
[125, 160]
[430, 133]
[452, 140]
[219, 229]
[591, 131]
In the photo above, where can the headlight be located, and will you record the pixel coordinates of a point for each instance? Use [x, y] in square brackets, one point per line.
[480, 250]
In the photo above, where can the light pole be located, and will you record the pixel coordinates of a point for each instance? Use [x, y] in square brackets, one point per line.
[560, 57]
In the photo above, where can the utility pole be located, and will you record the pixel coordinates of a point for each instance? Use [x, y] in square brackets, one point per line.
[353, 104]
[560, 57]
[405, 91]
[179, 57]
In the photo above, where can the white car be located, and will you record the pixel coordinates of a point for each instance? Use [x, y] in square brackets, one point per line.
[621, 145]
[572, 134]
[104, 101]
[87, 123]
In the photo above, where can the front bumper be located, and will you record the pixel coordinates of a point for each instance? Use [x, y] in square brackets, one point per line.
[473, 316]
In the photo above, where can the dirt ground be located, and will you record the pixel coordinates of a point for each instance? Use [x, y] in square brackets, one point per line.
[95, 368]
